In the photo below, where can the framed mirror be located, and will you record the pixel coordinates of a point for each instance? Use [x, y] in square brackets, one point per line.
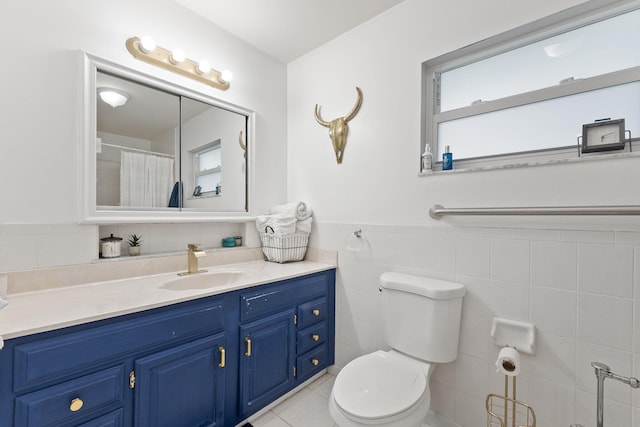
[152, 151]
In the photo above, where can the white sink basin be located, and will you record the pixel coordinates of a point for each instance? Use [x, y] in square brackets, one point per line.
[205, 280]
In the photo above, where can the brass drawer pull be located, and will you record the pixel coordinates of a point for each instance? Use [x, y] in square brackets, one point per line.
[315, 362]
[222, 357]
[76, 404]
[315, 337]
[316, 312]
[248, 341]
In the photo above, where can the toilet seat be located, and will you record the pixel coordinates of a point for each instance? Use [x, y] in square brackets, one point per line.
[380, 385]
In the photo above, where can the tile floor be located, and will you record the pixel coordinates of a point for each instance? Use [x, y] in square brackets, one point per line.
[307, 408]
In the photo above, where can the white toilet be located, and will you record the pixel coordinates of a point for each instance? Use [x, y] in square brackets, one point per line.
[421, 318]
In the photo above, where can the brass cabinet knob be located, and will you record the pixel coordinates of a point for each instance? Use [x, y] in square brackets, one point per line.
[315, 337]
[76, 404]
[316, 312]
[315, 362]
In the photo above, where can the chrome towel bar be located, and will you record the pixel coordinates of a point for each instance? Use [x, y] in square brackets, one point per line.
[438, 211]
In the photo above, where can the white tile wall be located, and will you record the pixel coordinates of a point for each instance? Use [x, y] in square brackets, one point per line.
[34, 246]
[606, 269]
[580, 288]
[554, 264]
[29, 246]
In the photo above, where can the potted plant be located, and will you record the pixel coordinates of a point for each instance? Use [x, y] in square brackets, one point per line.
[135, 242]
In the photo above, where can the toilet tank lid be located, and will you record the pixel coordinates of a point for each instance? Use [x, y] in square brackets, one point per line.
[425, 286]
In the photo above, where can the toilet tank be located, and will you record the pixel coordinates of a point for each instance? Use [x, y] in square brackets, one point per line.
[421, 315]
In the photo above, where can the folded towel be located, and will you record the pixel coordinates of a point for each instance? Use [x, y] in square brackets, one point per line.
[299, 210]
[304, 226]
[176, 195]
[281, 224]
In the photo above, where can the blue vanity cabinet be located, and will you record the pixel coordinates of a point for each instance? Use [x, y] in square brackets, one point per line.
[267, 360]
[287, 335]
[210, 362]
[105, 372]
[183, 385]
[314, 345]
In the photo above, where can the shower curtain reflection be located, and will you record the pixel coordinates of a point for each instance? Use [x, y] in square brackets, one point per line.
[146, 180]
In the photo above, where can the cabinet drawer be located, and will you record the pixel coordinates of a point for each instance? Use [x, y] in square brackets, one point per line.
[112, 419]
[37, 362]
[311, 362]
[312, 312]
[269, 299]
[71, 400]
[311, 337]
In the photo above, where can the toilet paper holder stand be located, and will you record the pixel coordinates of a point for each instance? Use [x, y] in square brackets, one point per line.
[502, 409]
[506, 410]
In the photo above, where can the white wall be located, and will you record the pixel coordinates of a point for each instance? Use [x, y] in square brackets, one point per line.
[377, 181]
[575, 278]
[209, 126]
[38, 110]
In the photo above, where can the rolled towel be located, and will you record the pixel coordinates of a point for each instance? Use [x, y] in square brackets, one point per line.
[281, 224]
[299, 210]
[304, 226]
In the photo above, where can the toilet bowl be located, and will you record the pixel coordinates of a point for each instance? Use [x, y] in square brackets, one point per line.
[421, 319]
[381, 389]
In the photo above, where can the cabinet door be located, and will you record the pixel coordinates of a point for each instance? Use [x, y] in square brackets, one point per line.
[266, 360]
[182, 386]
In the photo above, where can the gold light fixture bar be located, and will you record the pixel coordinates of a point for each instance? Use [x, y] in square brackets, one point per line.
[161, 57]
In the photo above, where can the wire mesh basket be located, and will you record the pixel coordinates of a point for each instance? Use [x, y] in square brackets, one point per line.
[285, 248]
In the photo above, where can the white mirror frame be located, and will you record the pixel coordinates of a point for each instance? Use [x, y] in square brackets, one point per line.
[86, 151]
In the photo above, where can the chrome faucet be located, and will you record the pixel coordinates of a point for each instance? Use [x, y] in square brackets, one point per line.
[602, 372]
[192, 260]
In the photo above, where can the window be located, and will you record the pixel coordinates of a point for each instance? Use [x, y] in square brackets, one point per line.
[207, 168]
[527, 92]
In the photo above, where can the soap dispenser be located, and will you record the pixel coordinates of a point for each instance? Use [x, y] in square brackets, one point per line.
[427, 160]
[447, 159]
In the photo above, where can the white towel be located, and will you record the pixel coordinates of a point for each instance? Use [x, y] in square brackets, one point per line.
[300, 210]
[281, 224]
[304, 226]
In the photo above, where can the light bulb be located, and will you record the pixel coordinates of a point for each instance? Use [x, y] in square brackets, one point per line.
[204, 67]
[177, 56]
[147, 44]
[226, 76]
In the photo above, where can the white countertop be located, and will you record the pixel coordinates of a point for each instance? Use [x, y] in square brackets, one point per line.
[44, 310]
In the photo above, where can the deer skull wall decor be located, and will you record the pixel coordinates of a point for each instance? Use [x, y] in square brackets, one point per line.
[338, 128]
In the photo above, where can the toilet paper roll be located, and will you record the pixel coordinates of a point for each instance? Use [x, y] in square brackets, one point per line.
[508, 361]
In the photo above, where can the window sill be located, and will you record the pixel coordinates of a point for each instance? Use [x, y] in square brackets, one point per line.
[204, 196]
[532, 163]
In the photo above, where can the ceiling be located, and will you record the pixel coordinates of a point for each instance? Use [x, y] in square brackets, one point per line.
[149, 112]
[287, 29]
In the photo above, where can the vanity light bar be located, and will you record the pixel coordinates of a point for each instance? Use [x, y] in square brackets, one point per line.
[163, 58]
